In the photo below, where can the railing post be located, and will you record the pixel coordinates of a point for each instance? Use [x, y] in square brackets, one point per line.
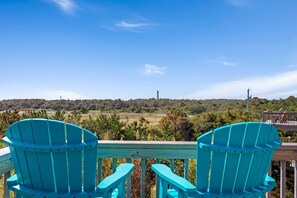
[6, 191]
[172, 165]
[157, 180]
[114, 164]
[265, 116]
[99, 178]
[268, 194]
[283, 179]
[129, 160]
[143, 166]
[128, 189]
[186, 169]
[295, 179]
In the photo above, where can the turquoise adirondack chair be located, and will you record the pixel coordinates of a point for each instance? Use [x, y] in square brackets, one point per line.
[58, 159]
[232, 161]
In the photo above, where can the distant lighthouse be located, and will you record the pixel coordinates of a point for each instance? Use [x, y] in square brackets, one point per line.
[249, 97]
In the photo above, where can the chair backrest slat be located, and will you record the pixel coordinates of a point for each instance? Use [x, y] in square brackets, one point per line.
[41, 137]
[221, 137]
[252, 138]
[22, 171]
[267, 135]
[60, 170]
[32, 157]
[53, 156]
[251, 133]
[233, 159]
[23, 156]
[74, 136]
[89, 162]
[236, 158]
[202, 171]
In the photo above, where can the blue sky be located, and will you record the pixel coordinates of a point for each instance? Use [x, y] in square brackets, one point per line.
[195, 49]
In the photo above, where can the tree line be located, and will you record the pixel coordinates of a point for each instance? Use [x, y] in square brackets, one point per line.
[149, 105]
[137, 105]
[184, 120]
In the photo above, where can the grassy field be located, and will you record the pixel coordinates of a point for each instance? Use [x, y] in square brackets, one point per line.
[153, 118]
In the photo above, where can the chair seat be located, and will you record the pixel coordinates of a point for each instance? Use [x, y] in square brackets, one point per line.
[232, 161]
[172, 193]
[268, 185]
[12, 184]
[58, 159]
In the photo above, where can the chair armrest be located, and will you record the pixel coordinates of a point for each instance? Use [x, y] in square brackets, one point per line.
[12, 181]
[166, 174]
[269, 181]
[122, 172]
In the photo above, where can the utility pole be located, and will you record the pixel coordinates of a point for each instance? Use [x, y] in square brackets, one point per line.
[248, 103]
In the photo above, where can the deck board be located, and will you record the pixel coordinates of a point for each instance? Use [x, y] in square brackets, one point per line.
[284, 126]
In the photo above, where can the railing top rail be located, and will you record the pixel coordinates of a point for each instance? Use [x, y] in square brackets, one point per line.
[146, 144]
[280, 112]
[189, 144]
[146, 149]
[151, 150]
[134, 142]
[5, 160]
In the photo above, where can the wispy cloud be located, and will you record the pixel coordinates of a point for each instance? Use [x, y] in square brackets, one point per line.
[49, 94]
[68, 6]
[270, 87]
[223, 61]
[134, 27]
[238, 3]
[56, 94]
[229, 63]
[125, 24]
[153, 69]
[292, 66]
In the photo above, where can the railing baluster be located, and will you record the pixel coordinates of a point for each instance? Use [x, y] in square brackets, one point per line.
[173, 150]
[142, 177]
[99, 170]
[268, 194]
[295, 178]
[186, 175]
[129, 160]
[283, 179]
[6, 191]
[114, 164]
[172, 165]
[157, 180]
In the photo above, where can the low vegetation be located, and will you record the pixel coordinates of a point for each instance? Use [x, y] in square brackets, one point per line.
[146, 119]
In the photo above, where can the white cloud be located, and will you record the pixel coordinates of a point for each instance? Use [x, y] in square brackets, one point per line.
[135, 27]
[67, 6]
[222, 61]
[292, 66]
[49, 94]
[270, 87]
[124, 24]
[153, 69]
[56, 94]
[229, 63]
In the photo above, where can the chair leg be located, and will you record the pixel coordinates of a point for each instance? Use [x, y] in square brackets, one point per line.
[163, 187]
[121, 190]
[17, 195]
[263, 195]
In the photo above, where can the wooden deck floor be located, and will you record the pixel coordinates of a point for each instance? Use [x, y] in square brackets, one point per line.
[284, 126]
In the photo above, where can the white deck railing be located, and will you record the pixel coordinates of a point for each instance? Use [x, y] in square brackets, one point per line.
[144, 150]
